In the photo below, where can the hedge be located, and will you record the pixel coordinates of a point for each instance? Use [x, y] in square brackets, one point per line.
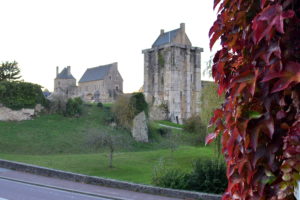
[17, 95]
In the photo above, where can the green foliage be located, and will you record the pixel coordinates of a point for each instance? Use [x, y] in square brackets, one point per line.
[206, 176]
[100, 105]
[9, 71]
[135, 166]
[17, 95]
[74, 107]
[210, 100]
[138, 102]
[127, 107]
[194, 125]
[123, 111]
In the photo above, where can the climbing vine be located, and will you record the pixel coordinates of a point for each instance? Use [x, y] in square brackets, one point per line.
[258, 69]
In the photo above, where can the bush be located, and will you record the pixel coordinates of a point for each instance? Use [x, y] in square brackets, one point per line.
[138, 102]
[17, 95]
[123, 111]
[100, 105]
[172, 178]
[74, 107]
[195, 125]
[127, 107]
[206, 176]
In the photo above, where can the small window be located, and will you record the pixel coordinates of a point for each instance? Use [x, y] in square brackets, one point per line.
[117, 88]
[109, 77]
[58, 83]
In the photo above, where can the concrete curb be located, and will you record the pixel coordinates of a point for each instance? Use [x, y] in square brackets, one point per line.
[43, 171]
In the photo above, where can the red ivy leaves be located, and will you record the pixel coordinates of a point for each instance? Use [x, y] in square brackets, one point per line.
[270, 17]
[258, 68]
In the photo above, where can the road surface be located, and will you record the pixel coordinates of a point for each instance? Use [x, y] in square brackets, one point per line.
[12, 190]
[16, 185]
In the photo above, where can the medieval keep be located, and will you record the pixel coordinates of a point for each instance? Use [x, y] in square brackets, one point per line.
[172, 74]
[98, 84]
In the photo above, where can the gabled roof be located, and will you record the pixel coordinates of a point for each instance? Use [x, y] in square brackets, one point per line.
[95, 73]
[64, 74]
[166, 38]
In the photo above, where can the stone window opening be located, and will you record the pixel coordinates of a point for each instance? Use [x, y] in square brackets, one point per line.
[58, 83]
[109, 77]
[117, 88]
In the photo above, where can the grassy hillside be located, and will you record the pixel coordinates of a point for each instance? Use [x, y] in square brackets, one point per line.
[130, 166]
[63, 143]
[55, 133]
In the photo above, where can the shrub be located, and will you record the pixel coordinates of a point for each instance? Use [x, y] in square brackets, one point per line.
[138, 102]
[74, 107]
[100, 105]
[195, 125]
[123, 111]
[206, 176]
[126, 107]
[172, 178]
[17, 95]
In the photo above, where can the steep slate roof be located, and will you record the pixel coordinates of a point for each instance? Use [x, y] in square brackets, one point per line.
[165, 38]
[64, 74]
[96, 73]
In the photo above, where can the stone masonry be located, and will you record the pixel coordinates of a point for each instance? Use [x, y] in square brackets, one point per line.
[98, 84]
[172, 74]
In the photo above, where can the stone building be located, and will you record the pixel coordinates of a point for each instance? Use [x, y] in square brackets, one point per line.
[172, 74]
[65, 83]
[98, 84]
[101, 84]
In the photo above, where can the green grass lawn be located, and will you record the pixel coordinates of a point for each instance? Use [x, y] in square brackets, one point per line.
[62, 143]
[53, 134]
[129, 166]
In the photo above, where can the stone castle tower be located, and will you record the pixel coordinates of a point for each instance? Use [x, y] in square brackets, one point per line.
[65, 83]
[172, 74]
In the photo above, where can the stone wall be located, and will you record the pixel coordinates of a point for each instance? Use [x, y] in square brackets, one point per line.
[172, 74]
[7, 114]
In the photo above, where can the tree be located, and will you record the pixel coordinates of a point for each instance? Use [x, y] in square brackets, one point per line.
[258, 69]
[210, 100]
[106, 139]
[9, 71]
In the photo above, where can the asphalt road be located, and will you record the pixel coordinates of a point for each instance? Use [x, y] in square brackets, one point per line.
[15, 185]
[12, 190]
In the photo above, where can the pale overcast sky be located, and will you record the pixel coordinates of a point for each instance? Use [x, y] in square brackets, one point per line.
[43, 34]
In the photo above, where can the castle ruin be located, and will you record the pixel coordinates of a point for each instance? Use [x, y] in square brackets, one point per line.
[172, 74]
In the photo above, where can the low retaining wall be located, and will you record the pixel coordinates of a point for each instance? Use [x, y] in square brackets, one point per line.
[43, 171]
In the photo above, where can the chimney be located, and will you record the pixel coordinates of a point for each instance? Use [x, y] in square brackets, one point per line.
[69, 70]
[182, 33]
[182, 27]
[57, 69]
[162, 31]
